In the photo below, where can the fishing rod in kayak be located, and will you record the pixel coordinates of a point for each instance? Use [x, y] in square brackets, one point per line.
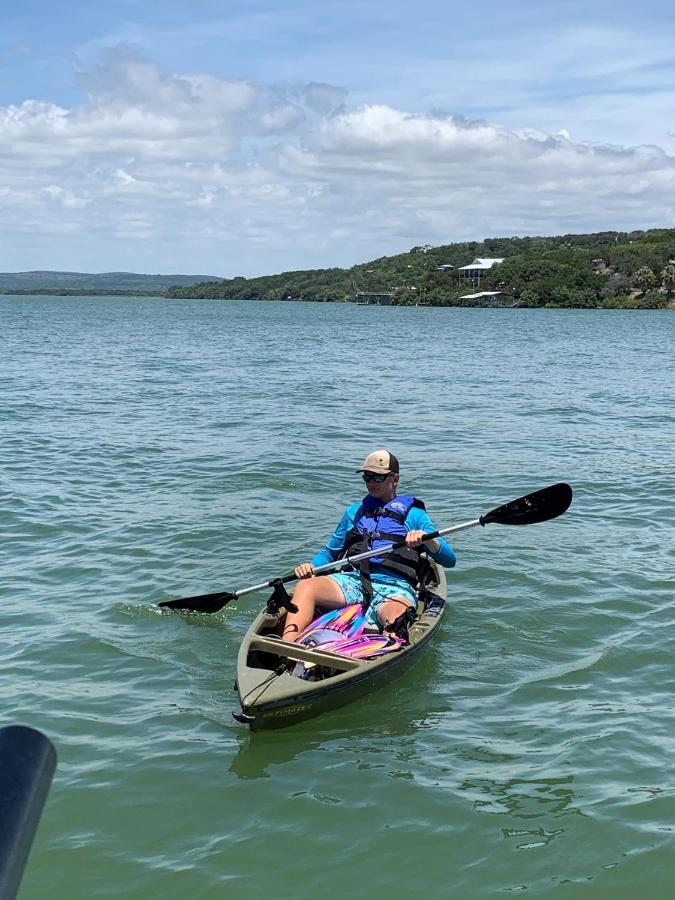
[540, 506]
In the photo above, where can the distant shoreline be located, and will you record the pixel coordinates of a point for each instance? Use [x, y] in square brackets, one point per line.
[121, 295]
[604, 270]
[62, 292]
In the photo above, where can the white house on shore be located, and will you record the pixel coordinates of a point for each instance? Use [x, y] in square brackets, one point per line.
[475, 270]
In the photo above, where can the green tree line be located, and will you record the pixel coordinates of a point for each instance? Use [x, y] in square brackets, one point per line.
[607, 269]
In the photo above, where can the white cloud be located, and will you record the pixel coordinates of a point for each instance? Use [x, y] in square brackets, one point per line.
[195, 172]
[127, 79]
[599, 81]
[284, 118]
[466, 180]
[66, 198]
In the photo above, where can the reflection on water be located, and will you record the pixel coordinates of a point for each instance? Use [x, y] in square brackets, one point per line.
[358, 731]
[536, 837]
[257, 754]
[522, 798]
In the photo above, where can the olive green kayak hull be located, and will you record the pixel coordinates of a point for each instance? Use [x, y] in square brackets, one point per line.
[271, 697]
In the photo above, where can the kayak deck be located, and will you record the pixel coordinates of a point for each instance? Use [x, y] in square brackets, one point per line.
[271, 697]
[291, 650]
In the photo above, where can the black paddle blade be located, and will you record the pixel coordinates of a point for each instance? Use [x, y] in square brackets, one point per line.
[540, 506]
[204, 603]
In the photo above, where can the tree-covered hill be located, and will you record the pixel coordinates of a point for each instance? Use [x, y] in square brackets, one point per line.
[99, 283]
[609, 269]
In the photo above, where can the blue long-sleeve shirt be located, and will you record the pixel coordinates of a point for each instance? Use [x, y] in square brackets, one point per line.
[417, 519]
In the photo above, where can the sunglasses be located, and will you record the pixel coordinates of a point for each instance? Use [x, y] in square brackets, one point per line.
[378, 479]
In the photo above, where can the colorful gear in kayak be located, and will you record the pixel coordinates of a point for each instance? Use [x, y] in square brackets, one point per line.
[366, 646]
[348, 622]
[341, 631]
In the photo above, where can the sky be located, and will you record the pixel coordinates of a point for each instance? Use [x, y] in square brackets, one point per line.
[252, 137]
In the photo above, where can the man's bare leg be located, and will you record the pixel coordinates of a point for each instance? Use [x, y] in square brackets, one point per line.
[310, 593]
[391, 609]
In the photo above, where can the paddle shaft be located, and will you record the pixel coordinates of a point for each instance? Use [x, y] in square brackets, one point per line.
[539, 506]
[349, 560]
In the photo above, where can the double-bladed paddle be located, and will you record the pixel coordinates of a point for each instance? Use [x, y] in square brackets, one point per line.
[539, 506]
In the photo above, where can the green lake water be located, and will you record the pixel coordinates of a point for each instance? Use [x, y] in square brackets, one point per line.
[151, 448]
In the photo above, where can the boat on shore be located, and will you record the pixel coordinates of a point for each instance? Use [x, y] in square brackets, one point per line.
[272, 697]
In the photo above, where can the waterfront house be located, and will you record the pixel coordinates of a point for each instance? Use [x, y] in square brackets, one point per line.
[475, 270]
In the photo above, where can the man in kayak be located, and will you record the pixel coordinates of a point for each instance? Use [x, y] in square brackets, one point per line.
[385, 586]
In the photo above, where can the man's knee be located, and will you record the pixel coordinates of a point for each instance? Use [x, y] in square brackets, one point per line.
[308, 590]
[391, 609]
[304, 592]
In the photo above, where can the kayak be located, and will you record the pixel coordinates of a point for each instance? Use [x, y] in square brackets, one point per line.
[280, 682]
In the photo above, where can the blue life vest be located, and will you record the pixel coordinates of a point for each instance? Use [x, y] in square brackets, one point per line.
[376, 526]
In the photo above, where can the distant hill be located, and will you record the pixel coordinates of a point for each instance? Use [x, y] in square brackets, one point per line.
[81, 282]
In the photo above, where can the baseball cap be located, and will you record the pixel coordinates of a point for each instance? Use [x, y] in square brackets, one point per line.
[381, 461]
